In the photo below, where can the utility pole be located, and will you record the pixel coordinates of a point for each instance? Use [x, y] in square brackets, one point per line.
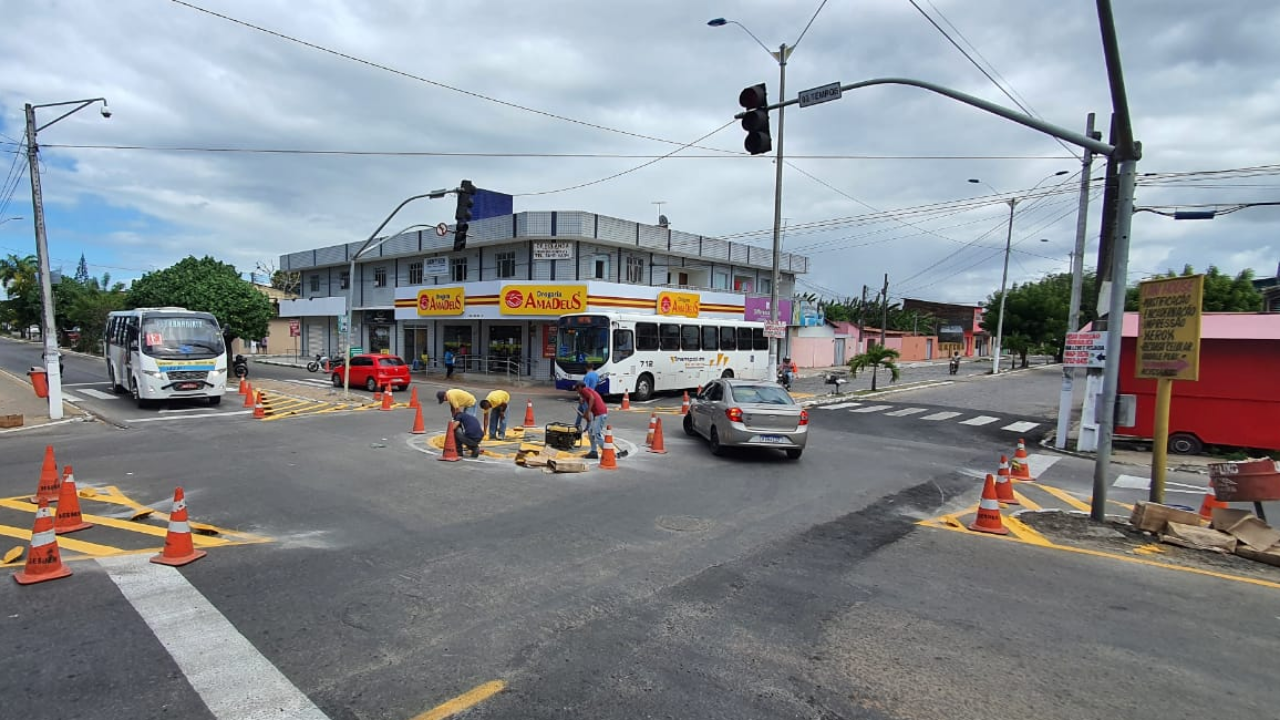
[48, 328]
[862, 321]
[1090, 428]
[1077, 289]
[884, 317]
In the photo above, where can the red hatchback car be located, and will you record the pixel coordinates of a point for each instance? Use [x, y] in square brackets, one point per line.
[374, 372]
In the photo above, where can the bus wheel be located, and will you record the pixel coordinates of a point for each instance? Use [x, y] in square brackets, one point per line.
[644, 387]
[137, 396]
[726, 374]
[116, 387]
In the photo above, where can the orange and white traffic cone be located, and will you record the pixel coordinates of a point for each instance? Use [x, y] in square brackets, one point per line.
[413, 398]
[44, 562]
[528, 416]
[178, 547]
[386, 398]
[1020, 467]
[658, 445]
[609, 458]
[377, 395]
[259, 412]
[68, 518]
[418, 427]
[249, 395]
[648, 437]
[626, 401]
[1210, 502]
[450, 445]
[684, 406]
[48, 487]
[989, 520]
[1004, 487]
[244, 386]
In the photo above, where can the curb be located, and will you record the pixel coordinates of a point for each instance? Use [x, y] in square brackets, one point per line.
[850, 397]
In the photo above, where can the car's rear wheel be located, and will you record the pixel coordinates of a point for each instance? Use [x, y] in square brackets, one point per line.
[688, 426]
[371, 384]
[337, 380]
[794, 453]
[714, 442]
[644, 387]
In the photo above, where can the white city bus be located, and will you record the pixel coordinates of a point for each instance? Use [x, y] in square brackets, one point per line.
[163, 353]
[643, 354]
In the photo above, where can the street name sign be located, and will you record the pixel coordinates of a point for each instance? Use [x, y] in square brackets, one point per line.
[1085, 349]
[1169, 328]
[820, 94]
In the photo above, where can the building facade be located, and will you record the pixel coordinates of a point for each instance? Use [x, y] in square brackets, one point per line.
[415, 297]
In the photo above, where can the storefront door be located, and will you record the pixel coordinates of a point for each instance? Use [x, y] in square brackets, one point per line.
[505, 348]
[457, 338]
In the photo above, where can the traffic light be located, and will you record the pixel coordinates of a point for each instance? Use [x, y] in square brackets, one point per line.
[756, 119]
[466, 198]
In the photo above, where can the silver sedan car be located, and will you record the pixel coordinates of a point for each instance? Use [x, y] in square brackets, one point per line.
[748, 413]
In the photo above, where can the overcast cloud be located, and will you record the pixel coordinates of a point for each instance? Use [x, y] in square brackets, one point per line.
[1201, 77]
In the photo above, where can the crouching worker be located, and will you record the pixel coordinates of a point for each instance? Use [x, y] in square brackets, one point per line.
[467, 433]
[494, 406]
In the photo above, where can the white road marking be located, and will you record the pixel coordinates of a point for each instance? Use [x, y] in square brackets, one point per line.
[232, 678]
[204, 415]
[1037, 464]
[871, 408]
[1136, 482]
[838, 406]
[100, 395]
[69, 397]
[941, 416]
[88, 384]
[979, 420]
[904, 412]
[1020, 427]
[309, 381]
[182, 410]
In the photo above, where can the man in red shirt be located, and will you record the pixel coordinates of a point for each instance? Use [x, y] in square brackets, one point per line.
[596, 415]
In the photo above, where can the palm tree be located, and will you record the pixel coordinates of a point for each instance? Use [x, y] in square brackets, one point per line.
[876, 357]
[15, 270]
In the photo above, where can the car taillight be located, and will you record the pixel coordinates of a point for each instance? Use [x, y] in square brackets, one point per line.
[734, 414]
[804, 417]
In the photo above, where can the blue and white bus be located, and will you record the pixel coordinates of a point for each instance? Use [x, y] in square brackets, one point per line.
[164, 353]
[644, 354]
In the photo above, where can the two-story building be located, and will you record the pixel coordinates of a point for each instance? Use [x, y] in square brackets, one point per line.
[592, 262]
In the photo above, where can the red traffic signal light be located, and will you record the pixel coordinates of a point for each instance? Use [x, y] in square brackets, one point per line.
[756, 119]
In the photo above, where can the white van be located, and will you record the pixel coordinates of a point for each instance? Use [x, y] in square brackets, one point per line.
[166, 353]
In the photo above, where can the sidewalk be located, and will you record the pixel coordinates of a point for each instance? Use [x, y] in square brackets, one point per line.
[17, 397]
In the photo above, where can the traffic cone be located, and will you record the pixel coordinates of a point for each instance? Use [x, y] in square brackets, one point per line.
[626, 401]
[413, 398]
[43, 560]
[1004, 487]
[658, 445]
[450, 445]
[989, 520]
[178, 547]
[418, 427]
[248, 395]
[648, 437]
[1021, 470]
[68, 519]
[244, 386]
[48, 488]
[377, 395]
[609, 458]
[386, 398]
[684, 406]
[528, 416]
[258, 411]
[1210, 502]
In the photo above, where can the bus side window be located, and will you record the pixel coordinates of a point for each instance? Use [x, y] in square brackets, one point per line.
[690, 337]
[622, 345]
[710, 338]
[758, 340]
[646, 336]
[670, 335]
[728, 338]
[744, 338]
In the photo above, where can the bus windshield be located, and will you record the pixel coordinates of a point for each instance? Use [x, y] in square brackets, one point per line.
[180, 338]
[582, 339]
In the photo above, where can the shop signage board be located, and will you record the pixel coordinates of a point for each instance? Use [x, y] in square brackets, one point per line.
[549, 331]
[295, 328]
[1085, 349]
[553, 251]
[775, 329]
[1169, 328]
[435, 266]
[678, 303]
[542, 299]
[441, 301]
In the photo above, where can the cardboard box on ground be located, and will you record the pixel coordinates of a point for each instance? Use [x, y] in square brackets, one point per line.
[1231, 531]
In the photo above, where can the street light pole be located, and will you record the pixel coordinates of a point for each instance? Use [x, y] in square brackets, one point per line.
[1004, 279]
[48, 326]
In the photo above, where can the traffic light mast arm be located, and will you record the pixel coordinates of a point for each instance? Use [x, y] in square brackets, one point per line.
[1070, 136]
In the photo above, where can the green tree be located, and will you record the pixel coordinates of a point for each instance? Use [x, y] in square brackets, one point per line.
[208, 285]
[876, 357]
[1222, 293]
[1036, 315]
[82, 270]
[88, 309]
[22, 291]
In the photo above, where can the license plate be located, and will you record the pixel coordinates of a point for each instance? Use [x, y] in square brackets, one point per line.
[771, 439]
[189, 386]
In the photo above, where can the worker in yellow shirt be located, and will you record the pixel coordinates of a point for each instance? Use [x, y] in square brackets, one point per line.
[459, 401]
[496, 403]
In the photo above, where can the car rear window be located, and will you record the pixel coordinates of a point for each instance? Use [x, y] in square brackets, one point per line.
[765, 394]
[390, 362]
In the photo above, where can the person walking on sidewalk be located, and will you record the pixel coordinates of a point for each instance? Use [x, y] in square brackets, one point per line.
[448, 364]
[459, 401]
[467, 433]
[596, 415]
[495, 413]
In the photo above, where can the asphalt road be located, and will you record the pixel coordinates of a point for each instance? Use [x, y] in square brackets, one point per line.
[681, 585]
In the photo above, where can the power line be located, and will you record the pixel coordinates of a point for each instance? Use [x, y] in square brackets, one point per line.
[807, 25]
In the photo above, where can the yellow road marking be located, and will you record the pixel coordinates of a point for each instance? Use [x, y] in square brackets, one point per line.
[138, 527]
[1064, 496]
[464, 701]
[64, 542]
[1027, 502]
[1024, 532]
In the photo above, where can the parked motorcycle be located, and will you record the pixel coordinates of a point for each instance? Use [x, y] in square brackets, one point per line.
[240, 367]
[320, 361]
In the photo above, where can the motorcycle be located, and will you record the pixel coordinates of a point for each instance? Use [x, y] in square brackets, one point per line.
[240, 367]
[784, 379]
[321, 361]
[955, 365]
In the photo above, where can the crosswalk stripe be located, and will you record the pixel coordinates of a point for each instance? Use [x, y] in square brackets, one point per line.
[98, 394]
[1020, 427]
[979, 420]
[871, 408]
[69, 397]
[904, 412]
[839, 406]
[941, 416]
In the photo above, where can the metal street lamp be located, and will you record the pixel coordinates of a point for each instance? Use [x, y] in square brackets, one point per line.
[48, 329]
[780, 55]
[998, 347]
[15, 217]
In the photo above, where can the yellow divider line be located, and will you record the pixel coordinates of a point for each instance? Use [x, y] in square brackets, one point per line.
[1027, 502]
[112, 495]
[137, 527]
[1064, 496]
[1025, 533]
[65, 543]
[464, 701]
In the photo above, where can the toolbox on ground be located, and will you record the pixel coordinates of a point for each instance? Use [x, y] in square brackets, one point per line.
[562, 436]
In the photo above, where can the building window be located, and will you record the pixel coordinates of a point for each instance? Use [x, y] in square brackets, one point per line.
[344, 280]
[415, 273]
[766, 286]
[380, 276]
[635, 269]
[506, 264]
[600, 267]
[315, 283]
[458, 269]
[720, 281]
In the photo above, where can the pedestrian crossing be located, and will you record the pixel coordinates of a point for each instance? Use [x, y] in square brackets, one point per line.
[1021, 426]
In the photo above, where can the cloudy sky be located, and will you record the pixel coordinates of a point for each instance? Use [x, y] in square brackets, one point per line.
[544, 100]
